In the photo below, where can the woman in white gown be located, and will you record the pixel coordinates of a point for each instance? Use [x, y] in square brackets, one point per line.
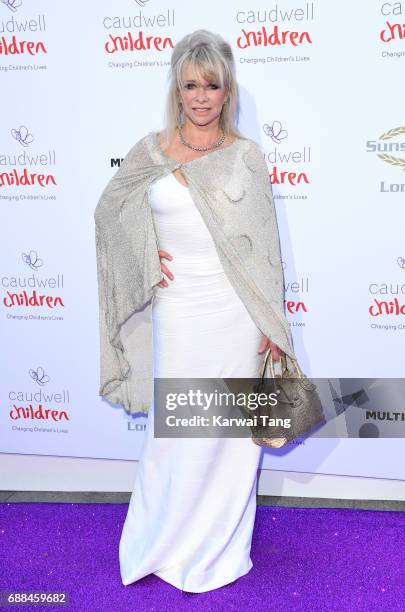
[192, 510]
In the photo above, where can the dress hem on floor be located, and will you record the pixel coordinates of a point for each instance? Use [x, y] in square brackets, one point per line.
[192, 585]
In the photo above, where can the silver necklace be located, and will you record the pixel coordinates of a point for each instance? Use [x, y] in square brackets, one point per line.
[212, 146]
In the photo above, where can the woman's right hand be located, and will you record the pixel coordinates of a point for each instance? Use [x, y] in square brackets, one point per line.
[164, 268]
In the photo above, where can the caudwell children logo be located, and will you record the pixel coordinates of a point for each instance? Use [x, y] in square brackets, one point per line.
[40, 403]
[24, 36]
[295, 290]
[32, 292]
[143, 31]
[393, 29]
[23, 168]
[387, 308]
[283, 155]
[277, 31]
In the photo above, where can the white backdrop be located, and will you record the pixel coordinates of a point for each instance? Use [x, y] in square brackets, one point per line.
[327, 106]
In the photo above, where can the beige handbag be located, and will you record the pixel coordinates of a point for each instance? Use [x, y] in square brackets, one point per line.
[297, 401]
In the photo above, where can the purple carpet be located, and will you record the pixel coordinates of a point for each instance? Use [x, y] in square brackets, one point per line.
[303, 559]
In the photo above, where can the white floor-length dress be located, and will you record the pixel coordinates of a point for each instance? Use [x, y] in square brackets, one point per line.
[192, 510]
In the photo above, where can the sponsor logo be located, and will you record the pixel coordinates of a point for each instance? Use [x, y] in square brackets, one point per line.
[31, 405]
[295, 288]
[14, 39]
[25, 163]
[278, 134]
[277, 35]
[390, 148]
[37, 295]
[388, 306]
[135, 33]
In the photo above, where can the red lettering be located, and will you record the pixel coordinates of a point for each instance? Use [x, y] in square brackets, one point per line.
[386, 308]
[263, 38]
[293, 307]
[32, 178]
[21, 412]
[280, 178]
[19, 47]
[395, 30]
[141, 43]
[23, 299]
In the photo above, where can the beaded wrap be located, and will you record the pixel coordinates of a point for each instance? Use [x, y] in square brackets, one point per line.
[232, 191]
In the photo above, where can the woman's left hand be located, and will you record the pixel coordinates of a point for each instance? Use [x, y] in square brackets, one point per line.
[265, 343]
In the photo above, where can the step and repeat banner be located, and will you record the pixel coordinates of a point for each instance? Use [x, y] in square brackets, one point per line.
[321, 88]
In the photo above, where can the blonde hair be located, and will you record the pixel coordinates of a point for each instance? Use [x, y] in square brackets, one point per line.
[211, 57]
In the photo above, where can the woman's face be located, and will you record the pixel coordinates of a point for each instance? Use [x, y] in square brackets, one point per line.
[202, 100]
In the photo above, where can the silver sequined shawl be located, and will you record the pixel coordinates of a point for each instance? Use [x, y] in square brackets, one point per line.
[231, 189]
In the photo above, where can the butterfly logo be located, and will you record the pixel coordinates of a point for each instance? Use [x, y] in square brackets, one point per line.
[22, 136]
[39, 376]
[32, 260]
[401, 262]
[13, 5]
[275, 131]
[141, 2]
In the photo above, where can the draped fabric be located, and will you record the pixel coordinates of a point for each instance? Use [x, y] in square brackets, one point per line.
[232, 191]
